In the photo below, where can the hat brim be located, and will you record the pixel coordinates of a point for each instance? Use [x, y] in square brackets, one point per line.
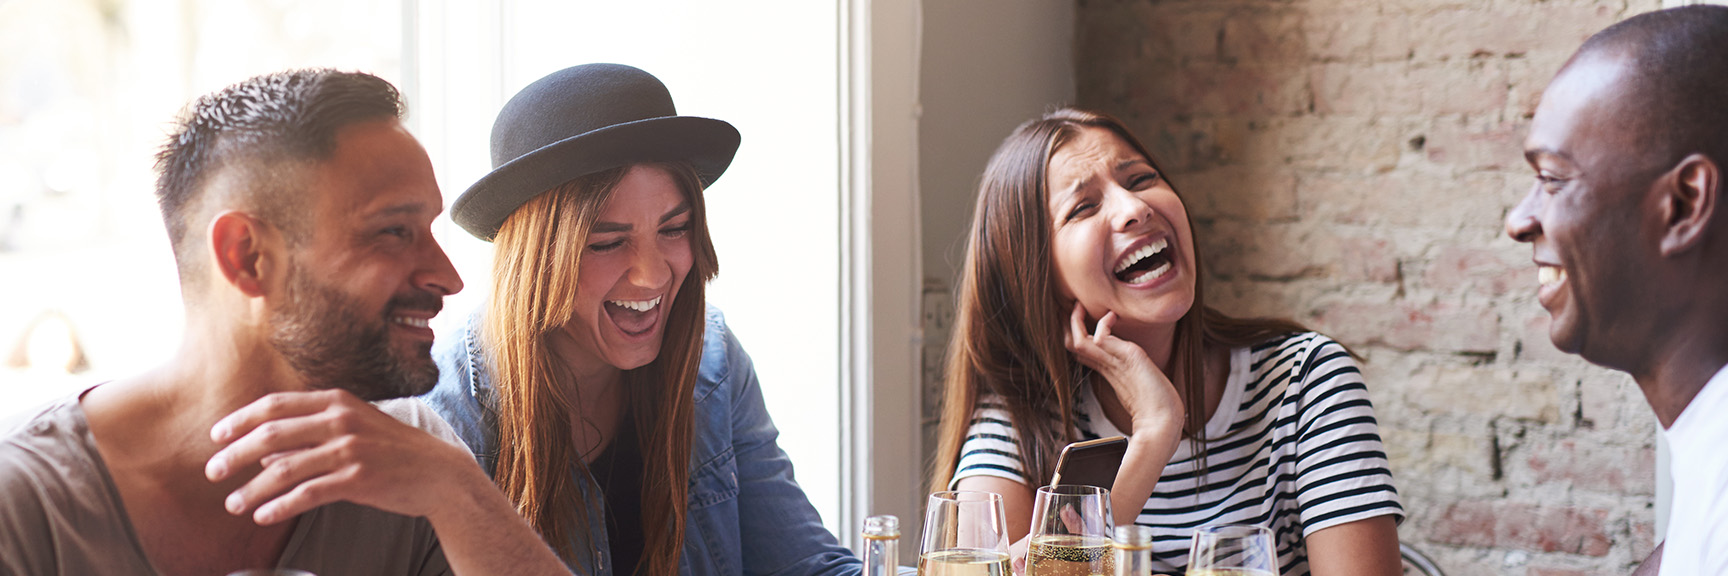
[706, 143]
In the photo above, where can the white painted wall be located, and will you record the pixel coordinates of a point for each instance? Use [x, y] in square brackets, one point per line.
[988, 65]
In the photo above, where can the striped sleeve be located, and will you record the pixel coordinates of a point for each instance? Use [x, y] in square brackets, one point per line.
[992, 448]
[1341, 470]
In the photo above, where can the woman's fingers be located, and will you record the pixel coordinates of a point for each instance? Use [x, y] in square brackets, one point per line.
[1095, 348]
[1076, 333]
[1104, 326]
[1017, 554]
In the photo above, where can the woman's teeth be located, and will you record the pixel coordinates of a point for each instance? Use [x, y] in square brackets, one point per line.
[637, 305]
[1547, 275]
[1150, 275]
[1143, 253]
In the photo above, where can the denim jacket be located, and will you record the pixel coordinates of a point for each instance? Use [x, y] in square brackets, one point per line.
[745, 515]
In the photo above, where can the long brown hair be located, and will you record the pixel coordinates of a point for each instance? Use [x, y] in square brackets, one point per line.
[1010, 319]
[538, 251]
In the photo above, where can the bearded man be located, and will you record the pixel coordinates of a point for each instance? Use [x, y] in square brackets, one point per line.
[300, 211]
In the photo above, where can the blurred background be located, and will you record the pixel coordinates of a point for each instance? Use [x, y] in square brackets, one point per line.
[88, 89]
[1348, 162]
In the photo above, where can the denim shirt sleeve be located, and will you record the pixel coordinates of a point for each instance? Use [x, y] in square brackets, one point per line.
[462, 388]
[779, 531]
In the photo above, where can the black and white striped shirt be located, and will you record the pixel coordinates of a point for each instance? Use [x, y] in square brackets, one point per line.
[1293, 447]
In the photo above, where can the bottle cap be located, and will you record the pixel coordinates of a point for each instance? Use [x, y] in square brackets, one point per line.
[881, 527]
[1132, 537]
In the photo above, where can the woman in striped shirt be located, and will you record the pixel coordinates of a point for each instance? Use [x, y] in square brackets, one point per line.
[1081, 315]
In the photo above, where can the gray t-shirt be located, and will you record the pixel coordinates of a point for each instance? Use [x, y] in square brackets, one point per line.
[60, 512]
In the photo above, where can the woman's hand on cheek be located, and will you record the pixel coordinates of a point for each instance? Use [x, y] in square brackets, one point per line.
[1144, 389]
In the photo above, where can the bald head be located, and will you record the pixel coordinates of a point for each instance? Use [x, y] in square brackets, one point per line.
[1673, 85]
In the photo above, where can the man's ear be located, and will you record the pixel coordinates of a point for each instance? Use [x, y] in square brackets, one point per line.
[241, 250]
[1689, 203]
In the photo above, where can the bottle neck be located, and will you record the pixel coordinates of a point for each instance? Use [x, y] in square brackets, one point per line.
[881, 545]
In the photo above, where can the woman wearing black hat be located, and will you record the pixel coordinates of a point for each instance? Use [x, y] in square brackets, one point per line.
[610, 403]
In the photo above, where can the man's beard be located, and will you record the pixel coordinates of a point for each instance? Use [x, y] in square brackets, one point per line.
[326, 337]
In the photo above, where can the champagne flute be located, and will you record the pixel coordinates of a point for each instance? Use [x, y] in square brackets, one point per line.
[965, 534]
[1070, 532]
[1232, 550]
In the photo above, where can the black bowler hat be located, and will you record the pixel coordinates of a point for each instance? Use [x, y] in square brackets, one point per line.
[582, 120]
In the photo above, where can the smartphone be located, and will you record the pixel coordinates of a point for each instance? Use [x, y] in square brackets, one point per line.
[1091, 462]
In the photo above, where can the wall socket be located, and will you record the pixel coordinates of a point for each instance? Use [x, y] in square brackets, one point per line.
[938, 316]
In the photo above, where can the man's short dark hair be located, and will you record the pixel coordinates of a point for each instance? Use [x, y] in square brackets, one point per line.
[1677, 80]
[261, 131]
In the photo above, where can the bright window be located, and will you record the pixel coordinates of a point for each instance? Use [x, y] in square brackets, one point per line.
[88, 87]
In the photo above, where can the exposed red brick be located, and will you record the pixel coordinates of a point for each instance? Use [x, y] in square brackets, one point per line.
[1497, 30]
[1407, 325]
[1402, 199]
[1355, 35]
[1232, 90]
[1235, 192]
[1368, 259]
[1643, 538]
[1535, 342]
[1459, 87]
[1524, 526]
[1495, 147]
[1250, 250]
[1264, 36]
[1364, 89]
[1398, 126]
[1551, 571]
[1624, 470]
[1477, 269]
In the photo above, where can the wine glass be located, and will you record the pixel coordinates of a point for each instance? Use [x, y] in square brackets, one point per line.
[1070, 532]
[964, 535]
[1232, 550]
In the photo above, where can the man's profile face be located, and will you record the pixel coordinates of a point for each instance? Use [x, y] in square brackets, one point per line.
[1583, 214]
[368, 275]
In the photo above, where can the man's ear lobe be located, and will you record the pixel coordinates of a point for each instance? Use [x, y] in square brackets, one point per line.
[1690, 203]
[239, 251]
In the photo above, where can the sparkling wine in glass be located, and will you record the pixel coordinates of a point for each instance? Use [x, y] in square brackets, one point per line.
[1232, 550]
[1070, 532]
[965, 534]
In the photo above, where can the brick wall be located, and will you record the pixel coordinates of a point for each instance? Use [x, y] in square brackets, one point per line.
[1350, 163]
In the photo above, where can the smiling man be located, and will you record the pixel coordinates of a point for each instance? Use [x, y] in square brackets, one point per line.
[1631, 242]
[299, 210]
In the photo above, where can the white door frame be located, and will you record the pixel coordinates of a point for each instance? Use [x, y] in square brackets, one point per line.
[882, 463]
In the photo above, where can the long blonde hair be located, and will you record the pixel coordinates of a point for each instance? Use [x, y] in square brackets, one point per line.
[1008, 330]
[537, 253]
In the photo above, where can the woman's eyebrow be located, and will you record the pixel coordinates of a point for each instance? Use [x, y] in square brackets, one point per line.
[675, 212]
[610, 227]
[1061, 196]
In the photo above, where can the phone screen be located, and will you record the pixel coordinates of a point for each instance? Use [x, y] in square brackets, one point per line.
[1091, 462]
